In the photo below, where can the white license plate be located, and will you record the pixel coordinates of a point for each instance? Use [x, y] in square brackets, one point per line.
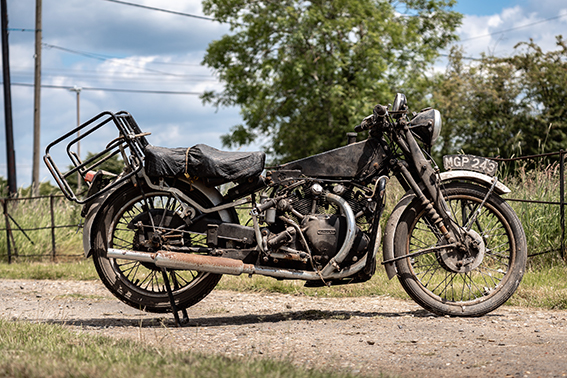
[470, 163]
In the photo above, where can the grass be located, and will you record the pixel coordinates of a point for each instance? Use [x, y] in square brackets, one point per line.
[541, 221]
[44, 350]
[543, 288]
[83, 270]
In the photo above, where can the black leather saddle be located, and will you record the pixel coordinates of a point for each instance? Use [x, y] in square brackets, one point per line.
[202, 161]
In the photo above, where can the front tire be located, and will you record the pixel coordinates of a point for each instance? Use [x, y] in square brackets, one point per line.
[131, 218]
[462, 283]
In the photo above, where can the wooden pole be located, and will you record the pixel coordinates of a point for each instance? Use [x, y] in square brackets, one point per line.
[11, 158]
[37, 101]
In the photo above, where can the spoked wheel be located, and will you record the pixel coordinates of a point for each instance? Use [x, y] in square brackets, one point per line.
[474, 278]
[149, 222]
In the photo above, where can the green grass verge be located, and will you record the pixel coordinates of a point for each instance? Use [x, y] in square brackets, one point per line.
[83, 270]
[543, 288]
[44, 350]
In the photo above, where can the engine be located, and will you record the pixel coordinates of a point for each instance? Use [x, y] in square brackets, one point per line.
[305, 231]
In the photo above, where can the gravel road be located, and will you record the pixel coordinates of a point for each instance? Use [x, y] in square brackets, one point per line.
[361, 335]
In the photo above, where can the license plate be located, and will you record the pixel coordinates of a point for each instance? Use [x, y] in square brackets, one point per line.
[470, 163]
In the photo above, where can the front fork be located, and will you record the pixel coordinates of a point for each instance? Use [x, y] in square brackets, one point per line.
[431, 196]
[439, 215]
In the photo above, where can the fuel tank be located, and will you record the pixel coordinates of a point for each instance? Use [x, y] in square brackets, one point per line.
[353, 160]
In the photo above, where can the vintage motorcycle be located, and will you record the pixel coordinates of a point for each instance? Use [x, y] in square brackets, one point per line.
[163, 231]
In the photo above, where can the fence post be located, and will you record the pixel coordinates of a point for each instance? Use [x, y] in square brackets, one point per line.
[53, 250]
[562, 199]
[5, 208]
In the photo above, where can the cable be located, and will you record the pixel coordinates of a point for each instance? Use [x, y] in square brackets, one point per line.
[464, 57]
[110, 89]
[162, 10]
[103, 58]
[122, 75]
[507, 30]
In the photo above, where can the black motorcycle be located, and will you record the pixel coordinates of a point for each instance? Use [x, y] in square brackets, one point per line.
[162, 232]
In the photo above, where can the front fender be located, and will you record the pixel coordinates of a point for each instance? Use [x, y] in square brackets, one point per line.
[446, 177]
[476, 177]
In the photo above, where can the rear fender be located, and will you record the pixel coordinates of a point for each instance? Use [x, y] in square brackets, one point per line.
[446, 177]
[97, 213]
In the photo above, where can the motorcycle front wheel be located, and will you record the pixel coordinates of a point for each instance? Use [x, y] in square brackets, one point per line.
[134, 218]
[474, 279]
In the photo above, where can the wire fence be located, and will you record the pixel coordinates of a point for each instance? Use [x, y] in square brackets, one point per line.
[40, 228]
[50, 227]
[560, 203]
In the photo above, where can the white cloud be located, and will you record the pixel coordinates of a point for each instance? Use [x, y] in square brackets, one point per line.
[141, 46]
[498, 34]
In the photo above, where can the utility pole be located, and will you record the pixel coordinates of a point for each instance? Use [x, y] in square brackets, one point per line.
[78, 91]
[37, 101]
[11, 158]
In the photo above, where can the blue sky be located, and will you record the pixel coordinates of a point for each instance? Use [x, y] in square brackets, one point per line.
[484, 7]
[147, 50]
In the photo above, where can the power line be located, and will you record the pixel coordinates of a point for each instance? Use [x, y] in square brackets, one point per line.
[511, 29]
[117, 74]
[106, 58]
[20, 30]
[464, 57]
[162, 10]
[111, 89]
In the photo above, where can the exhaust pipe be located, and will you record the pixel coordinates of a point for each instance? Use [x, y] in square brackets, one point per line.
[223, 265]
[185, 261]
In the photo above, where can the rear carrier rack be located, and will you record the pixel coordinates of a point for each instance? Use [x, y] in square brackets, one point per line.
[129, 145]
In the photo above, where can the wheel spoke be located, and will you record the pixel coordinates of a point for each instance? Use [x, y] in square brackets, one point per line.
[469, 285]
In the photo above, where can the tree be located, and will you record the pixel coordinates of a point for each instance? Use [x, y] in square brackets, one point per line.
[504, 106]
[306, 72]
[544, 79]
[480, 107]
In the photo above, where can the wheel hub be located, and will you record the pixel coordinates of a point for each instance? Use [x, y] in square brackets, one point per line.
[466, 257]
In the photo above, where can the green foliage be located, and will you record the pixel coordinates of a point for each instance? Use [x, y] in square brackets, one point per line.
[114, 164]
[3, 187]
[544, 80]
[45, 189]
[504, 106]
[306, 72]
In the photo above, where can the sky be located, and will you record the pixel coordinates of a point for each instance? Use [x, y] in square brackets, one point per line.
[103, 44]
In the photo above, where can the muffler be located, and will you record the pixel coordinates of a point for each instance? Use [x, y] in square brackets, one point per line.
[223, 265]
[185, 261]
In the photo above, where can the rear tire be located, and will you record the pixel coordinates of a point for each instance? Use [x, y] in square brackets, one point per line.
[442, 282]
[131, 218]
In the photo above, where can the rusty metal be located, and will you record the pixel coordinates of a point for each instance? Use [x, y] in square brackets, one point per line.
[222, 265]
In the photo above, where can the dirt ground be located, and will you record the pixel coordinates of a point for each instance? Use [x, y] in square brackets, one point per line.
[361, 335]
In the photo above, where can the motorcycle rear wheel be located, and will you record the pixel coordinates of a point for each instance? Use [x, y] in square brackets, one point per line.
[139, 284]
[462, 283]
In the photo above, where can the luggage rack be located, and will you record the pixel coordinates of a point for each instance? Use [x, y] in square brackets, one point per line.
[130, 144]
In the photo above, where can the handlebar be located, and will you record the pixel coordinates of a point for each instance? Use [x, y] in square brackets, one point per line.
[377, 116]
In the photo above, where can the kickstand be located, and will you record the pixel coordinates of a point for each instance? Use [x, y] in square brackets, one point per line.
[185, 320]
